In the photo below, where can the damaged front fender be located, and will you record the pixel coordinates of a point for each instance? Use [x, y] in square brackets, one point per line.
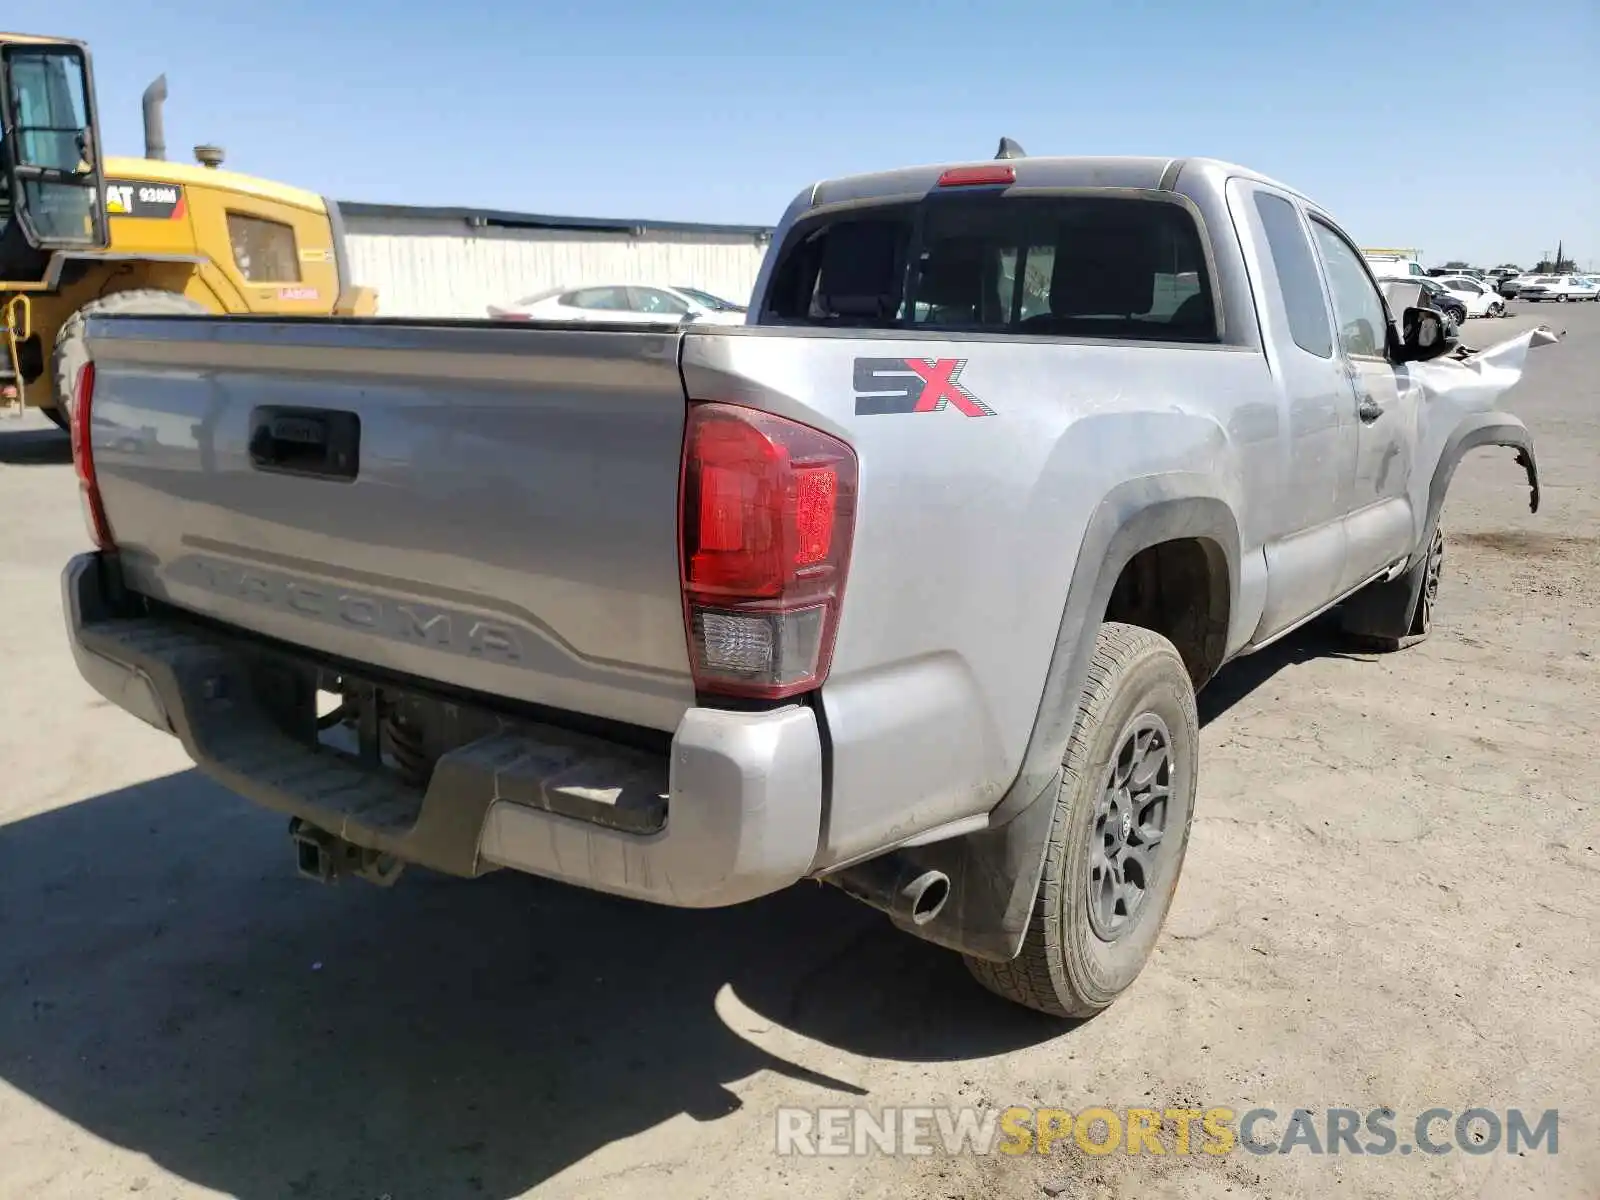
[1458, 412]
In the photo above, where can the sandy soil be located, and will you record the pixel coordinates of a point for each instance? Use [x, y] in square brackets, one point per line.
[1390, 899]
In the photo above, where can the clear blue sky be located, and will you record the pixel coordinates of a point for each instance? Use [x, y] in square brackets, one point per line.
[1466, 128]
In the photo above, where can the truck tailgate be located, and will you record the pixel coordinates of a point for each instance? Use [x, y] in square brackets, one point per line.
[510, 526]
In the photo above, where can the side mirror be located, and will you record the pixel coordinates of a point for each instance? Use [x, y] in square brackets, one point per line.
[1422, 335]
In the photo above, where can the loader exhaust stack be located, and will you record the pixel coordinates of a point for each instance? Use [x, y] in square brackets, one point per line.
[155, 134]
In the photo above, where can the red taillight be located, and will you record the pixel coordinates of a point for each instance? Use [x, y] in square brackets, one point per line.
[766, 516]
[977, 176]
[94, 512]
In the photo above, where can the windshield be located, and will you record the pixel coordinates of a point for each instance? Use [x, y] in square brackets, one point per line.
[715, 303]
[50, 111]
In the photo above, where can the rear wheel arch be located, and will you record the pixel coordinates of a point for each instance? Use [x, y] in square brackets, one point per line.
[1146, 517]
[995, 873]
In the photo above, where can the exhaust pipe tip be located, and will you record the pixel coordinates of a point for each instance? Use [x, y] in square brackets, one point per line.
[925, 895]
[910, 895]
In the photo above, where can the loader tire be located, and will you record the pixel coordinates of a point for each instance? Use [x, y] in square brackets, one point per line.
[1127, 784]
[72, 350]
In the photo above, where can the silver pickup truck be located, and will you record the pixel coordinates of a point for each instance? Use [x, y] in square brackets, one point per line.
[906, 586]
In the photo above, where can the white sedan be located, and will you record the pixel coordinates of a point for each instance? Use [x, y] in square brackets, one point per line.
[1560, 287]
[629, 303]
[1479, 296]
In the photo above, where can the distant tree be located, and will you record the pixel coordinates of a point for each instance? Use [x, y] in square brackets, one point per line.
[1509, 267]
[1456, 264]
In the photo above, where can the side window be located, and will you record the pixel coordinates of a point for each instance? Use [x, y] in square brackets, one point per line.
[264, 250]
[1363, 320]
[606, 299]
[653, 300]
[1297, 275]
[846, 272]
[1038, 266]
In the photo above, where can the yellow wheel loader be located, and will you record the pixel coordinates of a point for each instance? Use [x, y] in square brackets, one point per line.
[81, 234]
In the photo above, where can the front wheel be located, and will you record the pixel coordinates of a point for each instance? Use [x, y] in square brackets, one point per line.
[1118, 835]
[1497, 310]
[1561, 299]
[1393, 615]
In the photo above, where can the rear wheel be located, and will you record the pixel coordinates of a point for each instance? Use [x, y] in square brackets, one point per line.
[1562, 298]
[1118, 835]
[1497, 309]
[72, 351]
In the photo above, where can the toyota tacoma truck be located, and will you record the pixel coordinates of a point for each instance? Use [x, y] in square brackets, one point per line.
[907, 585]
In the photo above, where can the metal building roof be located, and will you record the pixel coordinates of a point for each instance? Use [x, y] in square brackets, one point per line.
[490, 218]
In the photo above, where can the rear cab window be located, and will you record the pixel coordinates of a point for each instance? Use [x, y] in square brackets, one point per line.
[1096, 266]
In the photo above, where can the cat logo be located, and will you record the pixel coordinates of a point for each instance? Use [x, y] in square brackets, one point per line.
[153, 201]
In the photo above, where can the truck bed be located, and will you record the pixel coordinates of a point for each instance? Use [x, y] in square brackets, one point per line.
[461, 543]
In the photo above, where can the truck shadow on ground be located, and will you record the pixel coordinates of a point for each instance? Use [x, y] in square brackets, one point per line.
[34, 447]
[172, 987]
[1321, 638]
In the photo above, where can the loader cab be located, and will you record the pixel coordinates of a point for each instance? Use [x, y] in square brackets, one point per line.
[52, 189]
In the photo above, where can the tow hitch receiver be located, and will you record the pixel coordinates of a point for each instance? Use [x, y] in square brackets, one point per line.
[326, 857]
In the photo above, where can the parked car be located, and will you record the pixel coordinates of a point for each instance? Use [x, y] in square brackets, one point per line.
[1560, 288]
[1480, 298]
[716, 303]
[1452, 307]
[907, 589]
[625, 302]
[1510, 286]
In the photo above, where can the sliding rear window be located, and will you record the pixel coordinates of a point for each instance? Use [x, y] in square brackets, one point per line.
[1074, 266]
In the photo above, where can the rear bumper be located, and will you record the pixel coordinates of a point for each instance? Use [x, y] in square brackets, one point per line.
[743, 790]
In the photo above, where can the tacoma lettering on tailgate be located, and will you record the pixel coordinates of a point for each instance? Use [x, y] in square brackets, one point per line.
[439, 628]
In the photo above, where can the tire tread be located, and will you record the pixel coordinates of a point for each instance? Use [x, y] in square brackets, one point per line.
[1028, 979]
[65, 361]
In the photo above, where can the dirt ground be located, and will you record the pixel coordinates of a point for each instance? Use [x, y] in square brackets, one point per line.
[1390, 899]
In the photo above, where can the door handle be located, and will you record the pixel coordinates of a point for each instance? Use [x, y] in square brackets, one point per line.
[1369, 409]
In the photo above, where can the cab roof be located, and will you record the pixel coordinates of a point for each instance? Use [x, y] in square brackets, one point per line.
[1145, 173]
[39, 39]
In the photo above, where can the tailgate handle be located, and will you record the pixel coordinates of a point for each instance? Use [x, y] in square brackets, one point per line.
[321, 442]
